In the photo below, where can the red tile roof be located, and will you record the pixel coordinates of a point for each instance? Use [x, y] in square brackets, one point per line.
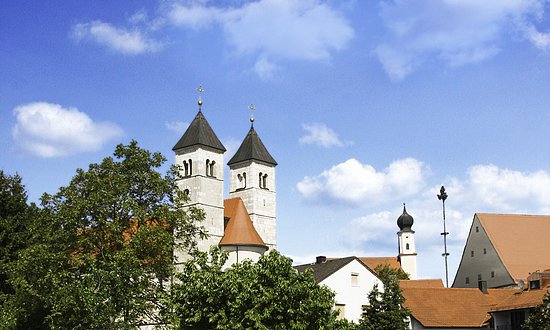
[239, 230]
[452, 307]
[521, 241]
[373, 262]
[428, 283]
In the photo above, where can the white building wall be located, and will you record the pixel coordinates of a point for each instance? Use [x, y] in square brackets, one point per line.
[407, 253]
[354, 297]
[239, 254]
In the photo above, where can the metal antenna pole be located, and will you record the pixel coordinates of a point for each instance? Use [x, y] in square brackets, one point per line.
[442, 197]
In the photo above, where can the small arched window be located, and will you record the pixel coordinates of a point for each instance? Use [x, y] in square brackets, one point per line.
[242, 181]
[264, 181]
[210, 167]
[407, 246]
[190, 167]
[186, 168]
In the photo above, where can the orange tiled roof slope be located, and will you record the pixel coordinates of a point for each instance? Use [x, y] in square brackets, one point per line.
[239, 230]
[521, 241]
[452, 307]
[373, 262]
[428, 283]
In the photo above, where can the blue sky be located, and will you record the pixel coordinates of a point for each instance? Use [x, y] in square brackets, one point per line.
[365, 105]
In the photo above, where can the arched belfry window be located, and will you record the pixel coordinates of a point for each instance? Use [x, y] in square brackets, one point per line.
[242, 181]
[186, 168]
[262, 178]
[210, 167]
[190, 167]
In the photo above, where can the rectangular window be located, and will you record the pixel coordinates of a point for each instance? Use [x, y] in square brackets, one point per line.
[484, 251]
[341, 309]
[467, 280]
[493, 274]
[479, 277]
[354, 279]
[472, 253]
[477, 229]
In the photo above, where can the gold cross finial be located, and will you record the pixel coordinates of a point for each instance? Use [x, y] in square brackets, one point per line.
[251, 107]
[200, 90]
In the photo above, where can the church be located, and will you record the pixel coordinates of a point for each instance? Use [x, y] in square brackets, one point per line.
[245, 225]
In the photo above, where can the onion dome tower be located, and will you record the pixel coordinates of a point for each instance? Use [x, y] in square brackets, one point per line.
[406, 246]
[252, 178]
[199, 155]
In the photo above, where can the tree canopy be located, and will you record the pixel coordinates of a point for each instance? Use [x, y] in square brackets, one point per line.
[539, 318]
[103, 250]
[385, 310]
[269, 294]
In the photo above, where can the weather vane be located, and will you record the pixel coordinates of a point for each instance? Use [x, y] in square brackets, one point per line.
[200, 90]
[252, 107]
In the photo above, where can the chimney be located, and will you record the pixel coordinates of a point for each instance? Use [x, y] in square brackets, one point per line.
[482, 286]
[320, 259]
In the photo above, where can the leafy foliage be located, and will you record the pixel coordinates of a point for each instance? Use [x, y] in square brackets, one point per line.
[269, 294]
[539, 319]
[385, 310]
[103, 250]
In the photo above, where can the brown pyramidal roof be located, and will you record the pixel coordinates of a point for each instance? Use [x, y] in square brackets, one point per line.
[521, 241]
[252, 148]
[199, 132]
[240, 230]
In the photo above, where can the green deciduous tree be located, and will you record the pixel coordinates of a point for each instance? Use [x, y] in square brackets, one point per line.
[385, 310]
[539, 318]
[269, 294]
[104, 257]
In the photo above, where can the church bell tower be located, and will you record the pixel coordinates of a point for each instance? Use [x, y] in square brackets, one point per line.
[199, 155]
[405, 241]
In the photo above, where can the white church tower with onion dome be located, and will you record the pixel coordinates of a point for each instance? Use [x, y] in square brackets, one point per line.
[406, 246]
[245, 224]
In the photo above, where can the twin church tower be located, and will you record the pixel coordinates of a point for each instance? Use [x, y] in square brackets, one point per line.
[245, 224]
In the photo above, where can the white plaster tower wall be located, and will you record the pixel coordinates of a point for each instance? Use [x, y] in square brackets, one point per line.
[205, 186]
[254, 183]
[407, 253]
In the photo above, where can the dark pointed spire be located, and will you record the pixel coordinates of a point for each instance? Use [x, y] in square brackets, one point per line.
[252, 148]
[200, 133]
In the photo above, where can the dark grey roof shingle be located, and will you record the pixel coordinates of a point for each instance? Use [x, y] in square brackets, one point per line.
[199, 132]
[252, 148]
[325, 269]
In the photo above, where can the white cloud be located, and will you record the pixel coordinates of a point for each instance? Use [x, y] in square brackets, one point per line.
[265, 69]
[483, 188]
[177, 127]
[455, 31]
[356, 184]
[49, 130]
[130, 42]
[319, 134]
[271, 30]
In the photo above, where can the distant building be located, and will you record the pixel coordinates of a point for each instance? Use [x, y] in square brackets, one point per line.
[511, 312]
[435, 307]
[245, 225]
[502, 249]
[350, 279]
